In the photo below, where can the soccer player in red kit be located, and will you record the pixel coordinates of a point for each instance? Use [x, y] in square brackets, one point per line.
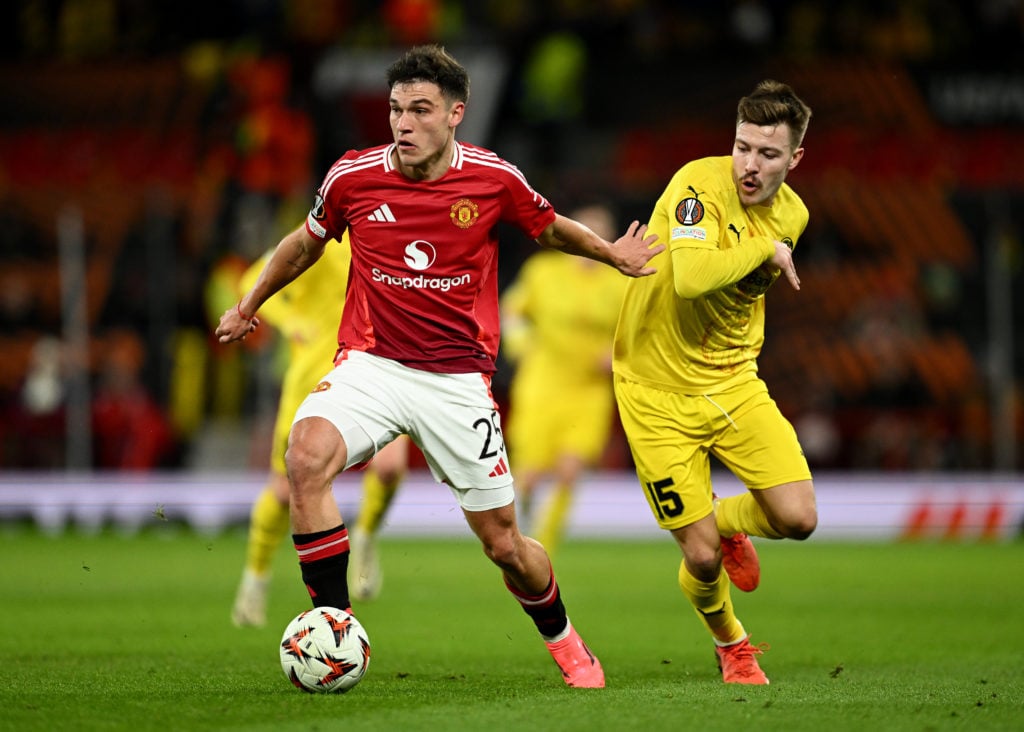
[419, 334]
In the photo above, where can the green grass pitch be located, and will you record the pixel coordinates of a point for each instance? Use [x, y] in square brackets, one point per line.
[112, 632]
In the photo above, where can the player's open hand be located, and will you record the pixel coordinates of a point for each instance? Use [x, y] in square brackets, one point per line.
[235, 326]
[633, 251]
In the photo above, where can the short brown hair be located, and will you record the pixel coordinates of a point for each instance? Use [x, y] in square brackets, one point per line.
[434, 64]
[773, 103]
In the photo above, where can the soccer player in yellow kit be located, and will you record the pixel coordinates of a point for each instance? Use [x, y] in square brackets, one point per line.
[561, 393]
[306, 312]
[685, 364]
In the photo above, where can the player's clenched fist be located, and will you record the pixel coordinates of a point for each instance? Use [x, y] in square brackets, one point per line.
[235, 325]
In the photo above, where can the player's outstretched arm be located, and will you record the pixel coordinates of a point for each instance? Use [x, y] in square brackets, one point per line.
[629, 254]
[296, 253]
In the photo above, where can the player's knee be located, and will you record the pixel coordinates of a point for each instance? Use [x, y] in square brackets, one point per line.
[315, 454]
[801, 524]
[705, 564]
[390, 475]
[281, 489]
[300, 461]
[503, 551]
[307, 471]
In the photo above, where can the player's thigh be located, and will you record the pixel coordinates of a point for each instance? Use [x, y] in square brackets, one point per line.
[762, 449]
[456, 424]
[392, 460]
[364, 399]
[669, 442]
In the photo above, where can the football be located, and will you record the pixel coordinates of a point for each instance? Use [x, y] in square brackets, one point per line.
[325, 650]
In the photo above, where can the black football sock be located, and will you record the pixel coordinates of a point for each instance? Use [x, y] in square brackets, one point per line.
[323, 559]
[546, 609]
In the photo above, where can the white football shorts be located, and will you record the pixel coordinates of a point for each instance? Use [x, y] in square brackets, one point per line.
[452, 418]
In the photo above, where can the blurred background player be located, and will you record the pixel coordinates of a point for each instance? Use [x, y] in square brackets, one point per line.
[558, 321]
[306, 313]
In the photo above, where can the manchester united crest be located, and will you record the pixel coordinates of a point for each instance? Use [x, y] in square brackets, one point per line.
[464, 213]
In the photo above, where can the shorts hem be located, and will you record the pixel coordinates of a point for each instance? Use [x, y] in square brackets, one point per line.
[490, 506]
[690, 522]
[776, 482]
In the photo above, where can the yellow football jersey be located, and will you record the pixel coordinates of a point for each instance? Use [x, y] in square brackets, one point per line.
[559, 318]
[307, 310]
[707, 338]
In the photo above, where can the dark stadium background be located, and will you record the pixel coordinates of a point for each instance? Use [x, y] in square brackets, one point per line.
[148, 150]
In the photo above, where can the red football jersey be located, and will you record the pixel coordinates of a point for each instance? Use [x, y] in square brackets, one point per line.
[423, 286]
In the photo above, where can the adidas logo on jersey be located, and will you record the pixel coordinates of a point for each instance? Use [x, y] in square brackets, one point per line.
[382, 214]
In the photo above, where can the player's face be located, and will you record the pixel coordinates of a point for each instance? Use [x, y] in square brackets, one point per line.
[761, 159]
[423, 125]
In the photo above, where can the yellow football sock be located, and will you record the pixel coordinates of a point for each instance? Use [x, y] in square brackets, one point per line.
[551, 526]
[741, 514]
[268, 525]
[713, 605]
[377, 496]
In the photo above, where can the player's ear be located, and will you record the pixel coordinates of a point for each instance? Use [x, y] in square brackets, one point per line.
[798, 154]
[456, 113]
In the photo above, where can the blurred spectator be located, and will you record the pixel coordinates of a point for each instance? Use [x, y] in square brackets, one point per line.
[753, 24]
[413, 21]
[34, 420]
[130, 430]
[553, 101]
[87, 28]
[43, 392]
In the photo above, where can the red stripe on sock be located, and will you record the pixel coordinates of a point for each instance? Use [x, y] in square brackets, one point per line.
[328, 546]
[542, 600]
